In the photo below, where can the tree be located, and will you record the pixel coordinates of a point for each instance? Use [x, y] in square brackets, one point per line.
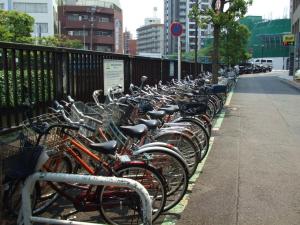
[55, 41]
[220, 14]
[233, 43]
[17, 26]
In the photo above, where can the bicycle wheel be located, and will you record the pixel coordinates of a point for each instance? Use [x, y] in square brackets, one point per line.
[46, 195]
[174, 169]
[200, 132]
[185, 144]
[12, 198]
[119, 205]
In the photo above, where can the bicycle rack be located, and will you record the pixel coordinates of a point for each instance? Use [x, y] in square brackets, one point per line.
[26, 217]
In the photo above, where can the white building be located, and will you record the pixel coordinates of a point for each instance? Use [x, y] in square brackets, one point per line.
[44, 13]
[150, 38]
[178, 11]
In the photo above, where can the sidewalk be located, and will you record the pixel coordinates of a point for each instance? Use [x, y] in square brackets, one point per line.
[252, 175]
[289, 80]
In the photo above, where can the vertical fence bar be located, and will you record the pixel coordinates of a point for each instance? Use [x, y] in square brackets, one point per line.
[68, 76]
[72, 75]
[54, 72]
[80, 83]
[42, 76]
[84, 81]
[48, 72]
[15, 86]
[29, 77]
[6, 85]
[22, 80]
[36, 79]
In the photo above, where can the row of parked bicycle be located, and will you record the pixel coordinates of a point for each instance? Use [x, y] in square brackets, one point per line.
[155, 135]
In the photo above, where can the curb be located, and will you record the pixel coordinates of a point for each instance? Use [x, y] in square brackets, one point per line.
[291, 83]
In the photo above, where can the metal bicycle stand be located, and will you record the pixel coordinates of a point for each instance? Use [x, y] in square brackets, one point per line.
[26, 218]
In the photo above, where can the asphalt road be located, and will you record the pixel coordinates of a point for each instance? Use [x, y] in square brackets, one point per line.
[252, 175]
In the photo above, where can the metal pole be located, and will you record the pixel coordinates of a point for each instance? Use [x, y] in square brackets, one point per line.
[196, 43]
[25, 217]
[84, 36]
[179, 58]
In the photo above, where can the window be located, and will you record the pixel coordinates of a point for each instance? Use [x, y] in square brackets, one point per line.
[103, 33]
[104, 19]
[31, 7]
[41, 27]
[73, 17]
[78, 33]
[104, 48]
[1, 5]
[204, 7]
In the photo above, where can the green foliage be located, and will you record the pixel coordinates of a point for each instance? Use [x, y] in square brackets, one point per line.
[55, 41]
[15, 26]
[220, 16]
[233, 45]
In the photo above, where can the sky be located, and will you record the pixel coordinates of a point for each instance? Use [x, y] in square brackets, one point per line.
[135, 11]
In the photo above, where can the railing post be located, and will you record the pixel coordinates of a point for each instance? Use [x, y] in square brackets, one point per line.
[25, 216]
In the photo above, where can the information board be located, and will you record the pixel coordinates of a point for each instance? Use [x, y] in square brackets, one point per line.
[113, 74]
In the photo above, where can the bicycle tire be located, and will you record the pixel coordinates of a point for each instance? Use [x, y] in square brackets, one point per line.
[203, 135]
[168, 163]
[46, 199]
[111, 216]
[178, 139]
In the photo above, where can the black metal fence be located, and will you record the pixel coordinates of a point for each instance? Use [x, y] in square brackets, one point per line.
[52, 73]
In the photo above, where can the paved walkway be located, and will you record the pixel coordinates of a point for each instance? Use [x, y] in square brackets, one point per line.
[252, 175]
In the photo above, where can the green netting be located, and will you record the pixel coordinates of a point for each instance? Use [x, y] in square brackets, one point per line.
[266, 36]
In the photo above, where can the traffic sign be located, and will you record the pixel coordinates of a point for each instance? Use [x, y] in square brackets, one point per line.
[176, 29]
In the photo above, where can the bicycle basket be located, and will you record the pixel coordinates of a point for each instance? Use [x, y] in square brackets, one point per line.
[33, 127]
[87, 111]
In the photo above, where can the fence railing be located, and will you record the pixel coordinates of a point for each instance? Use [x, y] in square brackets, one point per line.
[51, 73]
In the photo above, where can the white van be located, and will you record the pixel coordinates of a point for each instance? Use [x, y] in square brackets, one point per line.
[264, 62]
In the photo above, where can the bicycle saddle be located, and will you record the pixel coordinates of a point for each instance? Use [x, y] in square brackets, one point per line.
[176, 108]
[151, 124]
[107, 148]
[169, 110]
[157, 114]
[137, 131]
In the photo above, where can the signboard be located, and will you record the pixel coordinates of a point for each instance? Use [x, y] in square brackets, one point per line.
[176, 29]
[172, 69]
[113, 74]
[288, 39]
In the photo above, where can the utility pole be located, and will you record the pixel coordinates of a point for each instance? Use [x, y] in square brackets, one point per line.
[84, 36]
[93, 10]
[196, 43]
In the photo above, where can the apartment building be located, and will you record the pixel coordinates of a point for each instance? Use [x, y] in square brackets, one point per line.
[98, 24]
[44, 13]
[150, 38]
[178, 10]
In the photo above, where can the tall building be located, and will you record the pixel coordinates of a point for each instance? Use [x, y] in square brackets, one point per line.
[132, 49]
[44, 13]
[98, 24]
[126, 37]
[266, 40]
[295, 18]
[178, 11]
[150, 38]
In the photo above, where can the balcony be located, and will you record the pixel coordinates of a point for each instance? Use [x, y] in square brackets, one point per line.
[79, 25]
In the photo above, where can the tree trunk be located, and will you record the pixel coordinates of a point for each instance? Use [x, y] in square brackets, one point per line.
[215, 56]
